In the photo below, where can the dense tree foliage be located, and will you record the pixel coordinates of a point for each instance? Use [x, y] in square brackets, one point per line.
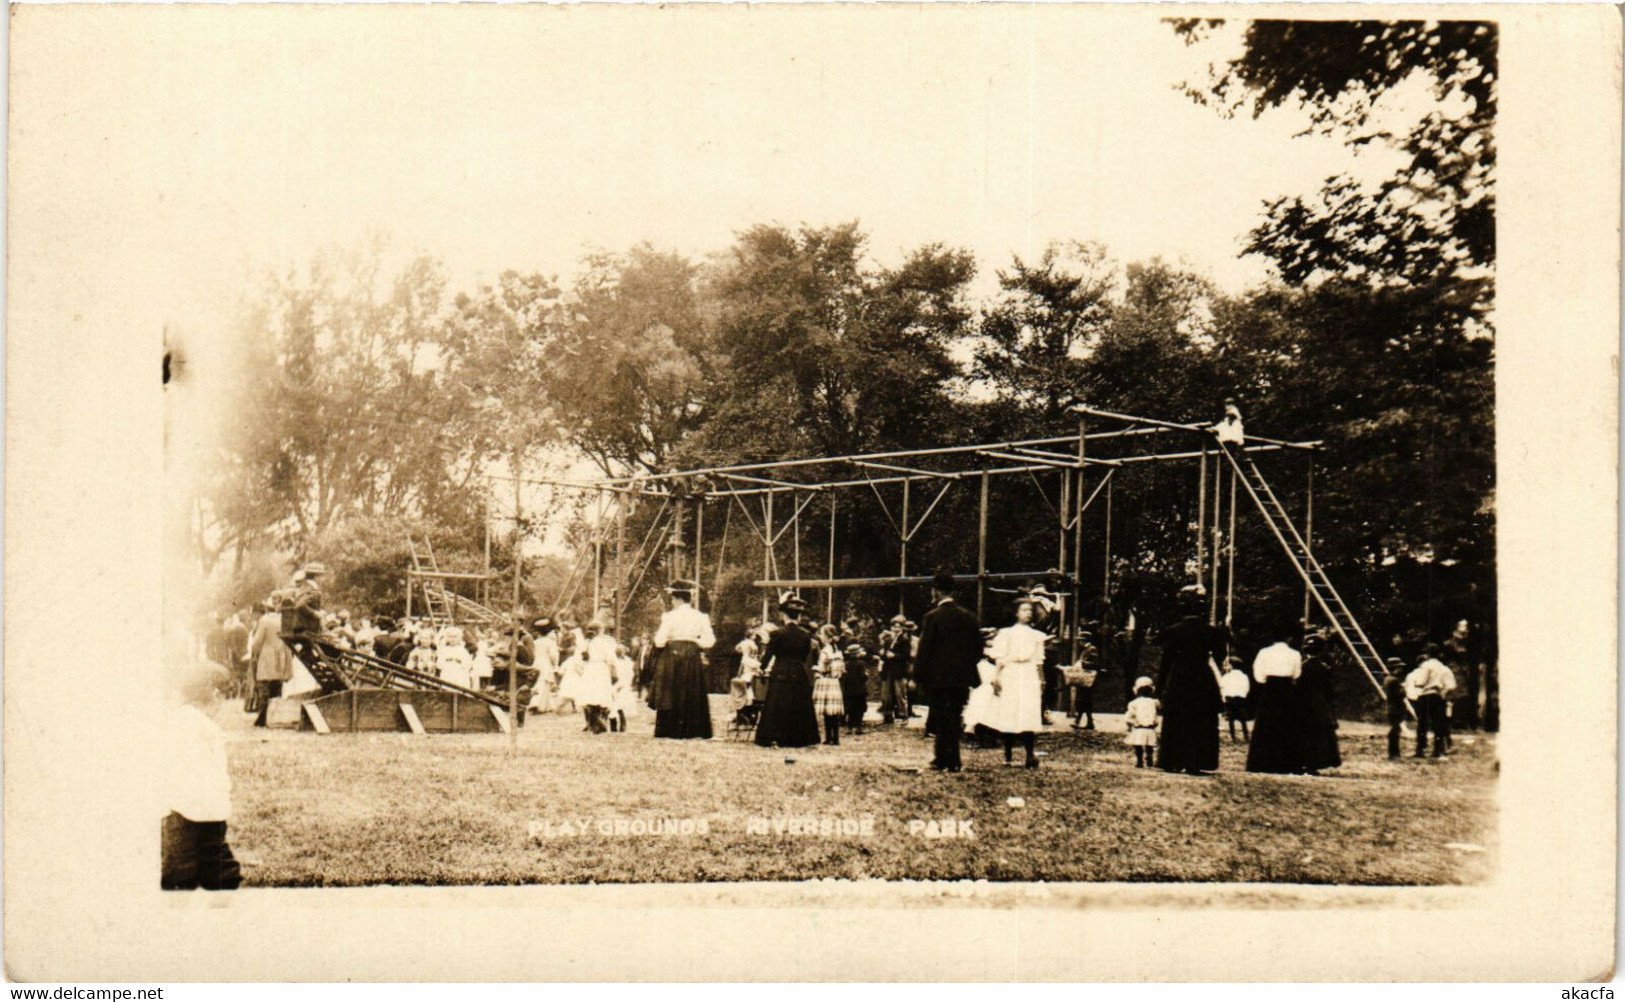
[1432, 223]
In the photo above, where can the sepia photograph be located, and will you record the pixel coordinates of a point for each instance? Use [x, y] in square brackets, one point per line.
[772, 558]
[807, 456]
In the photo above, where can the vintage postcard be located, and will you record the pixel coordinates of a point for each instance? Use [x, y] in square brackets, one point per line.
[811, 492]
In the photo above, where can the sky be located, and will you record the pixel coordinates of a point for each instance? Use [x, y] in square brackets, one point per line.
[496, 138]
[196, 146]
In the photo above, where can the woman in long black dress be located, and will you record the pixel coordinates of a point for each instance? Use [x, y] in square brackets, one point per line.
[1318, 700]
[787, 717]
[678, 692]
[1189, 688]
[1278, 734]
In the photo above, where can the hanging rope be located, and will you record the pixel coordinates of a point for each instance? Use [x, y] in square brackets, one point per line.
[722, 547]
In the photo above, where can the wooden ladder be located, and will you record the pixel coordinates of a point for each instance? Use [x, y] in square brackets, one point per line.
[434, 589]
[1309, 569]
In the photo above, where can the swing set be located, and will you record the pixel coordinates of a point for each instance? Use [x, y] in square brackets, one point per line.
[772, 496]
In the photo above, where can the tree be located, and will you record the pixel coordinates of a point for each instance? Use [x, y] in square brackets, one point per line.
[827, 355]
[631, 368]
[1432, 222]
[1036, 335]
[343, 406]
[1381, 341]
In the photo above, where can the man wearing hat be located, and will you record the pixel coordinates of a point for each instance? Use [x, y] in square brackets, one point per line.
[678, 692]
[945, 668]
[895, 646]
[1393, 687]
[305, 616]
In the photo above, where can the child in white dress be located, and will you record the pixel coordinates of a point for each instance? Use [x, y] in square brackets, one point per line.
[740, 694]
[422, 657]
[1141, 719]
[595, 688]
[452, 659]
[626, 690]
[981, 697]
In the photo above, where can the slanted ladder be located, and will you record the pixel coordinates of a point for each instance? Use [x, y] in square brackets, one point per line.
[434, 590]
[1314, 576]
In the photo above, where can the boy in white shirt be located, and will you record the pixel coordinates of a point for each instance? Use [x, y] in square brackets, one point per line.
[1234, 687]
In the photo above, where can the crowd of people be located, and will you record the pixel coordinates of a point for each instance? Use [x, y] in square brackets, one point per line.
[801, 682]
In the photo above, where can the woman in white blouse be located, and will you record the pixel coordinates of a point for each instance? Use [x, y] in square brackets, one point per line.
[1016, 708]
[1277, 744]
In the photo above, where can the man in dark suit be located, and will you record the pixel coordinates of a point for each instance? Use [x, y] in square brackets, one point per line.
[945, 667]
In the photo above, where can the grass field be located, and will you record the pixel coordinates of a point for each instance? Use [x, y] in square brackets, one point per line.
[461, 809]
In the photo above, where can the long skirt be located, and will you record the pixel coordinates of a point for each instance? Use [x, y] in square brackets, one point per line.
[1319, 732]
[1278, 744]
[677, 694]
[1018, 707]
[1190, 735]
[787, 718]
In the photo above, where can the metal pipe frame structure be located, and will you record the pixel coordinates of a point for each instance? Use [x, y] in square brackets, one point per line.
[764, 481]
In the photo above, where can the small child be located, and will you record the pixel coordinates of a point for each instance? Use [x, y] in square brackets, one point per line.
[482, 662]
[626, 690]
[828, 700]
[194, 848]
[1393, 690]
[1141, 720]
[452, 659]
[595, 688]
[423, 657]
[741, 686]
[1234, 687]
[981, 697]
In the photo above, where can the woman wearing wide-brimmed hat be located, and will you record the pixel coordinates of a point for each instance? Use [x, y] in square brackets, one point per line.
[1016, 710]
[1188, 685]
[678, 693]
[787, 718]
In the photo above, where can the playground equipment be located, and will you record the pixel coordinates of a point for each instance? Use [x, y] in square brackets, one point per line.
[364, 693]
[442, 605]
[1085, 476]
